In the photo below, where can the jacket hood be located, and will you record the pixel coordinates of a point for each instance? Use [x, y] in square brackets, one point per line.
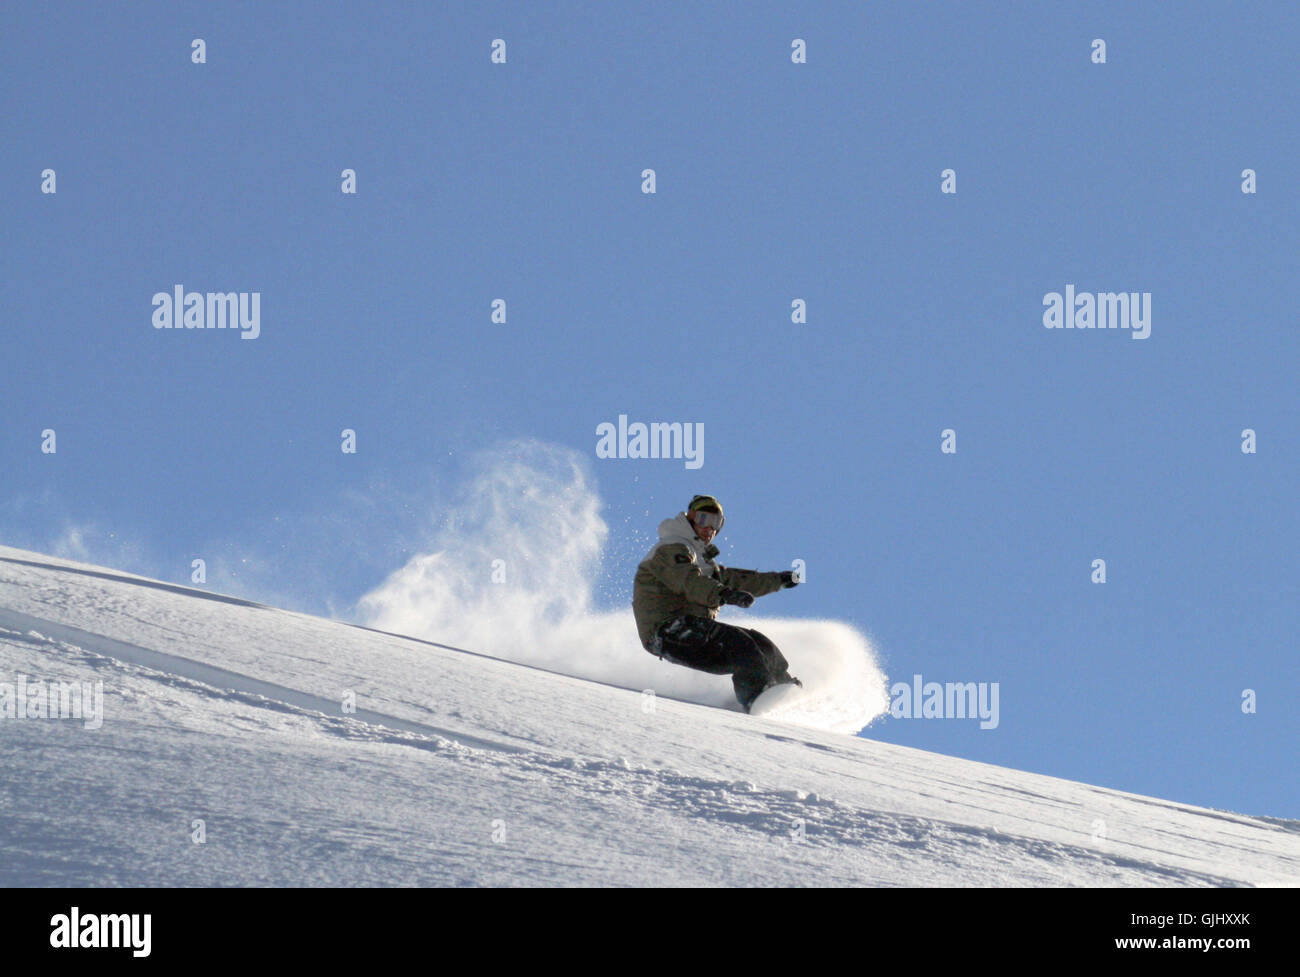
[678, 529]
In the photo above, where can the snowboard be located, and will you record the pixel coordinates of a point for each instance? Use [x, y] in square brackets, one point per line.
[776, 699]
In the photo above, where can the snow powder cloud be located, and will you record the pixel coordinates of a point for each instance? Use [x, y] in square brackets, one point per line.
[512, 571]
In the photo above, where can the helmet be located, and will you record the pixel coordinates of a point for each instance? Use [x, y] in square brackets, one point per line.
[706, 504]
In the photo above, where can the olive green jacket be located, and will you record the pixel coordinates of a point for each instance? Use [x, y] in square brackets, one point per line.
[678, 576]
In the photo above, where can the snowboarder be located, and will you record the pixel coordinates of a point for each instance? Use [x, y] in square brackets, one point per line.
[675, 599]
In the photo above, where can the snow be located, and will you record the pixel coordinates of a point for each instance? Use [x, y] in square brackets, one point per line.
[225, 721]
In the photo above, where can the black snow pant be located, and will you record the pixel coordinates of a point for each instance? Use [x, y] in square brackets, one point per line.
[748, 656]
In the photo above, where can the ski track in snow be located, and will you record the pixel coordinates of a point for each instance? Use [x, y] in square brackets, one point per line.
[793, 834]
[254, 690]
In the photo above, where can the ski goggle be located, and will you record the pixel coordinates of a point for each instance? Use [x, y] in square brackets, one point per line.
[708, 520]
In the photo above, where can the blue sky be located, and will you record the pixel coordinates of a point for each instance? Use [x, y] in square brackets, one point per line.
[775, 181]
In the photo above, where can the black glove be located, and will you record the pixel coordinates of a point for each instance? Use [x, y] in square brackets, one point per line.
[741, 598]
[788, 579]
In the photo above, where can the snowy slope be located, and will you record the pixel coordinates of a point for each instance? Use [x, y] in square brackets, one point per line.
[457, 769]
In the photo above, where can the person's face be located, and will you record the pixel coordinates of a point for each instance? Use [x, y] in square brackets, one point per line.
[706, 532]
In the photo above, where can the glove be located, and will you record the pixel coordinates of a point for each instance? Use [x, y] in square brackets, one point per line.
[741, 598]
[788, 579]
